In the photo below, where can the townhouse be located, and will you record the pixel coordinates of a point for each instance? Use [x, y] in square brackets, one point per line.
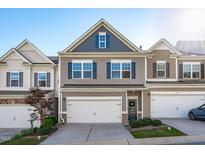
[102, 77]
[22, 68]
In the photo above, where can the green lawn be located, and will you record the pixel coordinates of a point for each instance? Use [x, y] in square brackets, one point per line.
[23, 141]
[160, 132]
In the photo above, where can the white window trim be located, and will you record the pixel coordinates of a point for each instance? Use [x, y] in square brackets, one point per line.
[102, 33]
[18, 78]
[161, 62]
[39, 79]
[121, 62]
[192, 63]
[82, 70]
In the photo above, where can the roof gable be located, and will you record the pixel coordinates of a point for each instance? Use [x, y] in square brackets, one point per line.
[32, 53]
[163, 44]
[11, 53]
[103, 25]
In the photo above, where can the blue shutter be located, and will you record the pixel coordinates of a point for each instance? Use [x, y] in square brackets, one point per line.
[97, 41]
[20, 79]
[8, 79]
[133, 70]
[107, 41]
[48, 79]
[70, 70]
[94, 70]
[108, 70]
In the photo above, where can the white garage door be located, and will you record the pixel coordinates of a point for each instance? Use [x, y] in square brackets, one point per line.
[16, 116]
[94, 110]
[174, 105]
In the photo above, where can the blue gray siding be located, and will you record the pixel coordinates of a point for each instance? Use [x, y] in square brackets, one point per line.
[89, 45]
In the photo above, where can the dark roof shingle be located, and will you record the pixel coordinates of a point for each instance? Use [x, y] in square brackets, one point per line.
[191, 47]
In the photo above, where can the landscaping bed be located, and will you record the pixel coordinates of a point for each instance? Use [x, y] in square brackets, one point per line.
[34, 136]
[148, 128]
[25, 141]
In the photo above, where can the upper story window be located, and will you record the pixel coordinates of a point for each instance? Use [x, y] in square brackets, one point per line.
[42, 79]
[121, 69]
[102, 39]
[191, 70]
[161, 69]
[14, 79]
[82, 69]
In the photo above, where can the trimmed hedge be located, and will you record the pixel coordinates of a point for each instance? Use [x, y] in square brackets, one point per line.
[145, 122]
[156, 122]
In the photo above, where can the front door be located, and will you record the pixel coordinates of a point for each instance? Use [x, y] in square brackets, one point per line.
[132, 109]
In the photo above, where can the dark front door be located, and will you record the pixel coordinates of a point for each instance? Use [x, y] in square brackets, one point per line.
[132, 109]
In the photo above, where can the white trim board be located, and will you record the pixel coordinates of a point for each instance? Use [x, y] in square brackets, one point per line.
[94, 98]
[176, 92]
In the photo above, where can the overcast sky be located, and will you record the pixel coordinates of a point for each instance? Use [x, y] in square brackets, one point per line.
[52, 30]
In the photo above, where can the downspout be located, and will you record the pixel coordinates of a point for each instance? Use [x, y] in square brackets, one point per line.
[59, 91]
[61, 109]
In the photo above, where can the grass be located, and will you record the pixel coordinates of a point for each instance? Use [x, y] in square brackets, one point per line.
[24, 141]
[159, 132]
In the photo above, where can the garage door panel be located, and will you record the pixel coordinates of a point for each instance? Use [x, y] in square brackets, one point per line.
[94, 111]
[174, 106]
[16, 116]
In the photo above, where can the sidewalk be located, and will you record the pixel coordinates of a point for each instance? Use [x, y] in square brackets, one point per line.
[151, 141]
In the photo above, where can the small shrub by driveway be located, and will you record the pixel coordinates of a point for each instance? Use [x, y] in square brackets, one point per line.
[24, 141]
[34, 135]
[158, 132]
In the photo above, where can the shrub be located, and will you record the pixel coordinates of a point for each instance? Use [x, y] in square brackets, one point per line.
[137, 124]
[53, 118]
[35, 129]
[26, 132]
[146, 122]
[156, 122]
[44, 130]
[48, 123]
[17, 136]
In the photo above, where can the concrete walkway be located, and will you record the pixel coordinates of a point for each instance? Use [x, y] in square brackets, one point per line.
[82, 133]
[187, 126]
[181, 140]
[8, 133]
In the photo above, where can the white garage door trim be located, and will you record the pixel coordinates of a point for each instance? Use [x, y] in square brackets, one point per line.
[97, 98]
[175, 108]
[16, 119]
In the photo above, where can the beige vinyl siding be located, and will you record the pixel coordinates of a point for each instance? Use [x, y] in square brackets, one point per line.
[46, 70]
[102, 72]
[161, 55]
[14, 65]
[201, 62]
[30, 53]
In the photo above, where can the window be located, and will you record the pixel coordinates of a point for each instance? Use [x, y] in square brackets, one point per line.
[121, 69]
[161, 69]
[42, 79]
[102, 39]
[14, 79]
[82, 69]
[191, 70]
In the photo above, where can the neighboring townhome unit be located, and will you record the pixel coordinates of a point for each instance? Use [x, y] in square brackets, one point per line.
[102, 77]
[175, 78]
[22, 68]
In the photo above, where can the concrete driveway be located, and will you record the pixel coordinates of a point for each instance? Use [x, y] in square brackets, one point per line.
[7, 133]
[187, 126]
[78, 133]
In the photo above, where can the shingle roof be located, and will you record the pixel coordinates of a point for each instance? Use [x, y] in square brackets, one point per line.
[54, 59]
[103, 86]
[6, 92]
[191, 47]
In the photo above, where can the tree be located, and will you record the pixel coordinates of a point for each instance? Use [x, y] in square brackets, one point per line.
[36, 98]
